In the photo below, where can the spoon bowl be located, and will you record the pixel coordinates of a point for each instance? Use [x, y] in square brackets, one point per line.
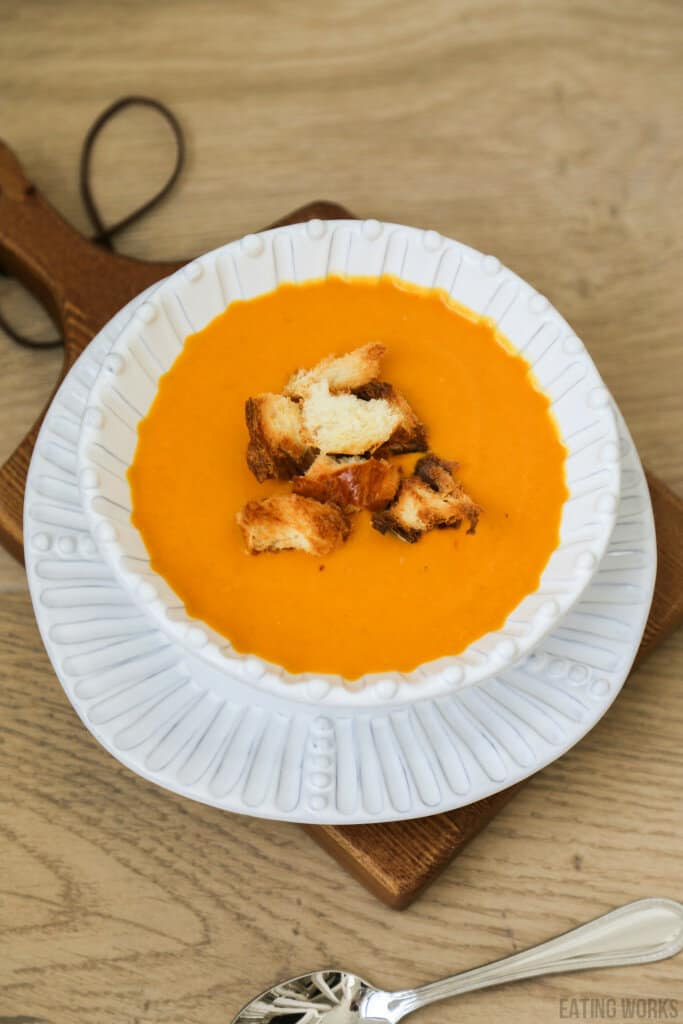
[334, 997]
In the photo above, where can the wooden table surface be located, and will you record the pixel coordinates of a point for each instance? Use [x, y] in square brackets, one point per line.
[547, 133]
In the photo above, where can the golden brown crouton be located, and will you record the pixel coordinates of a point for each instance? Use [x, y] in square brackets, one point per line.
[410, 435]
[351, 483]
[340, 373]
[290, 521]
[429, 499]
[277, 445]
[345, 424]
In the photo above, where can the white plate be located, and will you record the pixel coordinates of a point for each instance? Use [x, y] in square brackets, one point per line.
[192, 297]
[178, 721]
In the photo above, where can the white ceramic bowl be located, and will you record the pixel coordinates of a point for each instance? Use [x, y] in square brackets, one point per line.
[188, 300]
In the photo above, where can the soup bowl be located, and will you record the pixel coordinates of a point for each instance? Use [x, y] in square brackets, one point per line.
[188, 300]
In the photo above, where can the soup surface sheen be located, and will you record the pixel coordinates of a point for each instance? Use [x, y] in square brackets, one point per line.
[376, 604]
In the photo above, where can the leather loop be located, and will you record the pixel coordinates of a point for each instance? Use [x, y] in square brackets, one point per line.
[103, 235]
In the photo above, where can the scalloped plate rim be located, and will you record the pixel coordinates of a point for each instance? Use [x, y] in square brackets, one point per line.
[599, 708]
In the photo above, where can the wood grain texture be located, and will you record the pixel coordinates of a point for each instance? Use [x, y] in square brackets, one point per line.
[396, 861]
[544, 132]
[667, 602]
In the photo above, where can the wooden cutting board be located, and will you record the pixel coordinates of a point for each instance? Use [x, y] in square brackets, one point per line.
[82, 286]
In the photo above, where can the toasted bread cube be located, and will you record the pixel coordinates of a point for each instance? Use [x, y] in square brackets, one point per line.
[344, 424]
[410, 435]
[430, 499]
[340, 373]
[277, 446]
[292, 522]
[351, 483]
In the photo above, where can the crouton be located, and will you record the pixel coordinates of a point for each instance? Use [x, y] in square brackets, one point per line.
[351, 483]
[345, 424]
[340, 373]
[277, 446]
[411, 434]
[429, 499]
[290, 521]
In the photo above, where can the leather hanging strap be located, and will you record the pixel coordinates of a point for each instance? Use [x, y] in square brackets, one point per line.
[104, 235]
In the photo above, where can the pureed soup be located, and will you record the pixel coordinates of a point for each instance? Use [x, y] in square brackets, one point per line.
[377, 603]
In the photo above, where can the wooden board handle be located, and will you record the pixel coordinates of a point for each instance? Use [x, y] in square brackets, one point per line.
[81, 286]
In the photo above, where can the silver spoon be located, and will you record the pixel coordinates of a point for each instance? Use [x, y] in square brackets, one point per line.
[636, 933]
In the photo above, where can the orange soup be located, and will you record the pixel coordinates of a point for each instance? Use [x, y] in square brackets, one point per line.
[377, 603]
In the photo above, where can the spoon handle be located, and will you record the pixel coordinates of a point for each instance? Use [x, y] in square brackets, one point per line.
[637, 933]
